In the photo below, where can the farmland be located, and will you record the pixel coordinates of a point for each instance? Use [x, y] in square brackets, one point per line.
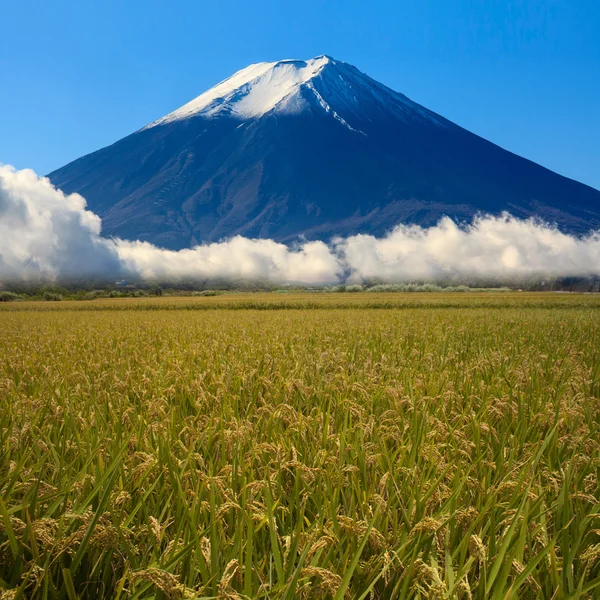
[301, 446]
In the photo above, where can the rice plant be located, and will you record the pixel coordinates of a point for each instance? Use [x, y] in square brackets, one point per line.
[305, 446]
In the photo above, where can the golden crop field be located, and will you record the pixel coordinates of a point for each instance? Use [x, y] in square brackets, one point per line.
[283, 446]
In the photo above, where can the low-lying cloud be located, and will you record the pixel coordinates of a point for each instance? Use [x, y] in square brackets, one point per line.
[501, 248]
[46, 234]
[236, 259]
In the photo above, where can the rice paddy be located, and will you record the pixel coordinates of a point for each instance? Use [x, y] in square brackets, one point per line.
[301, 446]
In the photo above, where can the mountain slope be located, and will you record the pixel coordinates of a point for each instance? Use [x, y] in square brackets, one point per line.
[311, 149]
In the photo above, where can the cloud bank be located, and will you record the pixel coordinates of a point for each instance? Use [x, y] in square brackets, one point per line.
[46, 234]
[501, 248]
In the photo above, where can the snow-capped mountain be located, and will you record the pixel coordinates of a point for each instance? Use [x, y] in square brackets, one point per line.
[313, 149]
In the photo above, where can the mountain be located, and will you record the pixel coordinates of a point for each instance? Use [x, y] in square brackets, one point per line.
[309, 148]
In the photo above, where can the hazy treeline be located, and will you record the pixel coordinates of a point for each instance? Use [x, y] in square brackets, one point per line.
[89, 291]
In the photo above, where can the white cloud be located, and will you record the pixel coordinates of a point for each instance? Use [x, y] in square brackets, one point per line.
[47, 234]
[235, 259]
[501, 248]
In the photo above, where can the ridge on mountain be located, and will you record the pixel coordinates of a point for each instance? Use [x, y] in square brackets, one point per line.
[309, 149]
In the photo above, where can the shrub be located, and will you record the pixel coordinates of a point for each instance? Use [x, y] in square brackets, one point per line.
[51, 296]
[209, 293]
[9, 297]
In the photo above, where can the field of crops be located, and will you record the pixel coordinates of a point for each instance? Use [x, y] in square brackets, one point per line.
[301, 446]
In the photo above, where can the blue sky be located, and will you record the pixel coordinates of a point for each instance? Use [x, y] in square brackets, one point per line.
[76, 76]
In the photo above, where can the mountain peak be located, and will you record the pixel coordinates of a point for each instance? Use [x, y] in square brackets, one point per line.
[292, 86]
[252, 91]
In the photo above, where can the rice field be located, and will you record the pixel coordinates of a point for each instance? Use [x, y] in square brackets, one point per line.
[358, 446]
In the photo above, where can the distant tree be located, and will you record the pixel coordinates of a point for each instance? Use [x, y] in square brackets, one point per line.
[9, 297]
[52, 293]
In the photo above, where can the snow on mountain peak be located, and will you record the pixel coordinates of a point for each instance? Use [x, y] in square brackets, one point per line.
[334, 86]
[253, 91]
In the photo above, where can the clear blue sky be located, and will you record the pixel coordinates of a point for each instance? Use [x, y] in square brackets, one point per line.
[78, 75]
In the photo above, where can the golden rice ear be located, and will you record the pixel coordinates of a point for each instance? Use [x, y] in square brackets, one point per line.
[166, 582]
[231, 571]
